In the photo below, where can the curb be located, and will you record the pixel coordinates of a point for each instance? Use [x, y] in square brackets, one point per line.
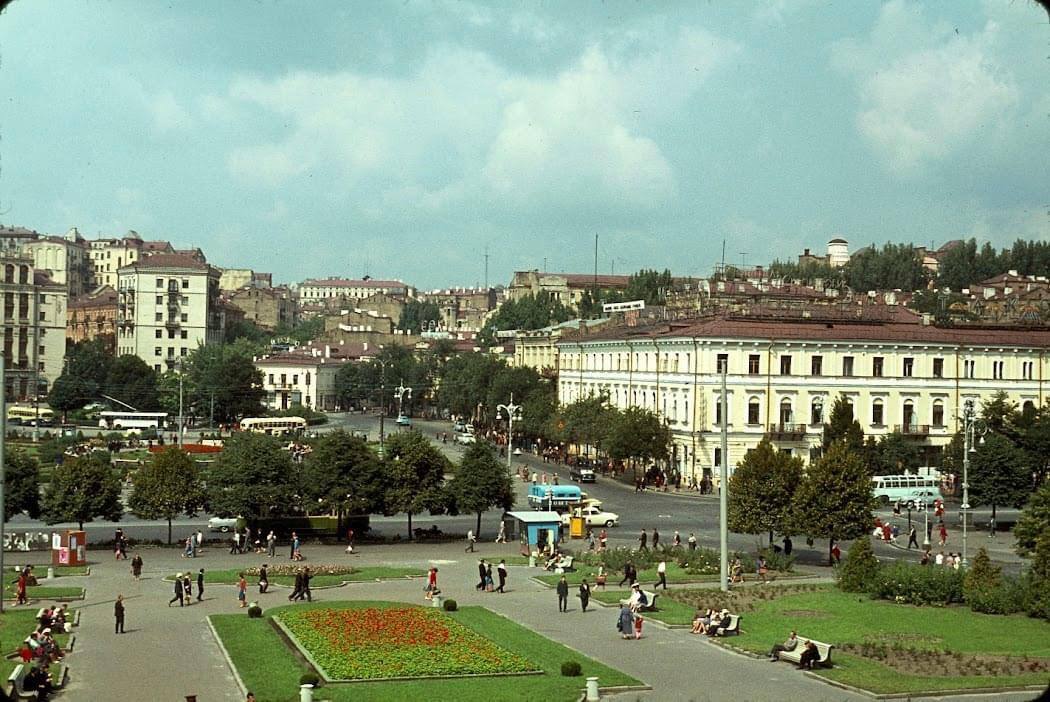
[226, 657]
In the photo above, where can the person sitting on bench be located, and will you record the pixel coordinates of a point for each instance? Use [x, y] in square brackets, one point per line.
[700, 621]
[790, 645]
[809, 656]
[638, 600]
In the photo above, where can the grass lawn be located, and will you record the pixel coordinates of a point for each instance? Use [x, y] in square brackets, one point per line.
[840, 618]
[46, 592]
[15, 626]
[271, 670]
[229, 577]
[668, 611]
[648, 577]
[63, 571]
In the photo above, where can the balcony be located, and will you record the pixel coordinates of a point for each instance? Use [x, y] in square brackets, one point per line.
[786, 432]
[172, 323]
[917, 430]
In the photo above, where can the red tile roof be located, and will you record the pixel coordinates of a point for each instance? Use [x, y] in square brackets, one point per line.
[167, 260]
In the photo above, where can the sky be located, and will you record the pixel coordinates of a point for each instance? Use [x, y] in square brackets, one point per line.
[411, 139]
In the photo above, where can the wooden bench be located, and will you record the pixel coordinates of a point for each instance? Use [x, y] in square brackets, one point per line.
[824, 649]
[650, 598]
[732, 628]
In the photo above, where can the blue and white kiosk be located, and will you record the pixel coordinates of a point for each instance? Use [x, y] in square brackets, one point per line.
[537, 530]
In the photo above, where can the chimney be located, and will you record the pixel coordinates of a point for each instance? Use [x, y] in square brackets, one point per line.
[805, 252]
[927, 319]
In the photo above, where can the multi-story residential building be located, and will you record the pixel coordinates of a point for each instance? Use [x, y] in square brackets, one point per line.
[93, 316]
[108, 256]
[316, 289]
[302, 377]
[463, 309]
[899, 372]
[168, 304]
[383, 305]
[538, 349]
[568, 288]
[66, 260]
[267, 308]
[34, 324]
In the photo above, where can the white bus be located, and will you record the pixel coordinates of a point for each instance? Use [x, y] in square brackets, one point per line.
[132, 420]
[30, 415]
[275, 426]
[906, 488]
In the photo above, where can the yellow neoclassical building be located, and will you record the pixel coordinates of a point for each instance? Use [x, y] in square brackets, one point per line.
[785, 369]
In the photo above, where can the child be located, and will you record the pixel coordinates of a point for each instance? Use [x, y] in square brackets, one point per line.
[637, 627]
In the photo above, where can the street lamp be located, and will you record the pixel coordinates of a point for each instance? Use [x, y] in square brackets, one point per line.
[818, 405]
[973, 428]
[513, 412]
[399, 392]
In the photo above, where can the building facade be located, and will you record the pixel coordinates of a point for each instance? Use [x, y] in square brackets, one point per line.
[568, 288]
[93, 316]
[267, 308]
[65, 259]
[167, 305]
[900, 374]
[316, 289]
[34, 327]
[299, 378]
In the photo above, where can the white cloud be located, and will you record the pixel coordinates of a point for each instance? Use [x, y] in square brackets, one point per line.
[167, 113]
[926, 92]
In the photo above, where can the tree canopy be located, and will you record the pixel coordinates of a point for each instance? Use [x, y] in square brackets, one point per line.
[998, 474]
[532, 311]
[253, 478]
[761, 491]
[417, 316]
[83, 376]
[842, 426]
[221, 380]
[167, 486]
[21, 484]
[82, 489]
[415, 476]
[481, 481]
[345, 475]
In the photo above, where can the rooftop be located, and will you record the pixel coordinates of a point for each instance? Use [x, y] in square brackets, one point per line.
[168, 260]
[349, 283]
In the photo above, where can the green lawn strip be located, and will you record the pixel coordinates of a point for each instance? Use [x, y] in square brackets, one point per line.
[230, 576]
[268, 668]
[838, 618]
[64, 571]
[47, 592]
[15, 626]
[676, 575]
[668, 611]
[515, 560]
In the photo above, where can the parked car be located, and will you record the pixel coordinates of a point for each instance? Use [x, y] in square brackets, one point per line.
[593, 516]
[223, 524]
[403, 420]
[465, 438]
[581, 474]
[920, 499]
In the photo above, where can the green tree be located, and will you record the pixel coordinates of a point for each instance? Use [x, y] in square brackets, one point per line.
[982, 576]
[166, 487]
[527, 312]
[761, 490]
[586, 422]
[83, 376]
[1034, 439]
[480, 482]
[897, 453]
[998, 474]
[417, 316]
[253, 478]
[636, 435]
[1000, 413]
[415, 472]
[834, 500]
[221, 381]
[860, 567]
[302, 332]
[130, 380]
[21, 484]
[344, 475]
[893, 267]
[1034, 521]
[842, 426]
[465, 382]
[82, 489]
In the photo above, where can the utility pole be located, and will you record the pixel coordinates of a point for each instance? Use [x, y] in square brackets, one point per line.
[3, 467]
[596, 268]
[181, 420]
[723, 488]
[382, 406]
[972, 428]
[512, 410]
[486, 267]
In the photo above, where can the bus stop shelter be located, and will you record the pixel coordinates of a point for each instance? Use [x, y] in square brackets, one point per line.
[537, 530]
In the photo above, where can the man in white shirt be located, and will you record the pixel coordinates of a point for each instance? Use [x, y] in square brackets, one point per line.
[661, 573]
[939, 560]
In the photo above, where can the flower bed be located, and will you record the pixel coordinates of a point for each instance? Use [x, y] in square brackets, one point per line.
[278, 569]
[397, 642]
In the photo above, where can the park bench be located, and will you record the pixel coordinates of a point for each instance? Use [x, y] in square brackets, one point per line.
[650, 598]
[824, 649]
[16, 679]
[566, 565]
[732, 628]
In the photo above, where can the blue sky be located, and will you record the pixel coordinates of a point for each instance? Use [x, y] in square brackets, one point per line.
[404, 139]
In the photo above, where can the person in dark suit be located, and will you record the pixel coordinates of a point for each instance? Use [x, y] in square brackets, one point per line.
[481, 575]
[179, 591]
[264, 580]
[200, 584]
[501, 572]
[118, 615]
[298, 587]
[585, 595]
[563, 595]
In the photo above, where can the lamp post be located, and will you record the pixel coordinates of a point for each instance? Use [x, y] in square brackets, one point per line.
[513, 411]
[182, 422]
[973, 428]
[3, 477]
[399, 392]
[723, 489]
[818, 405]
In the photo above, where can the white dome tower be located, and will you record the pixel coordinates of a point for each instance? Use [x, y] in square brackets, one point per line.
[838, 252]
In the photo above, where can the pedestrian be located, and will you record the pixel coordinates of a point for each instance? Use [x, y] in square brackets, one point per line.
[912, 541]
[470, 541]
[943, 532]
[291, 547]
[200, 584]
[656, 539]
[189, 551]
[187, 589]
[563, 595]
[643, 541]
[118, 536]
[235, 542]
[501, 573]
[179, 591]
[637, 626]
[271, 544]
[136, 567]
[677, 539]
[625, 624]
[692, 541]
[22, 597]
[488, 578]
[432, 581]
[585, 594]
[603, 540]
[298, 586]
[264, 580]
[118, 615]
[501, 537]
[242, 590]
[762, 568]
[305, 592]
[836, 552]
[788, 546]
[661, 573]
[481, 575]
[200, 539]
[297, 551]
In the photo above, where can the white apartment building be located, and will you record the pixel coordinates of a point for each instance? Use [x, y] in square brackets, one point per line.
[167, 305]
[783, 375]
[319, 289]
[66, 260]
[299, 378]
[108, 256]
[34, 321]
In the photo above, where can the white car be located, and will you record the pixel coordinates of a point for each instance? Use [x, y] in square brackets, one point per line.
[465, 438]
[223, 524]
[594, 516]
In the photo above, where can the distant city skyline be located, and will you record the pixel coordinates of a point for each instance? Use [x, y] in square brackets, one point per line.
[410, 140]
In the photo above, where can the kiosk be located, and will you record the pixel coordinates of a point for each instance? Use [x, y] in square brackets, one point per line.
[68, 548]
[538, 530]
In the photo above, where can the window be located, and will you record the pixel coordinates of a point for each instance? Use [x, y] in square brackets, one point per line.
[816, 411]
[171, 333]
[185, 334]
[156, 367]
[160, 282]
[997, 369]
[43, 316]
[876, 413]
[718, 458]
[171, 352]
[183, 351]
[185, 300]
[938, 413]
[295, 380]
[847, 366]
[43, 299]
[157, 333]
[157, 351]
[785, 365]
[786, 414]
[718, 409]
[908, 416]
[723, 363]
[816, 365]
[308, 382]
[1026, 370]
[271, 379]
[160, 299]
[876, 367]
[909, 367]
[185, 317]
[753, 411]
[753, 362]
[160, 316]
[970, 369]
[938, 368]
[185, 283]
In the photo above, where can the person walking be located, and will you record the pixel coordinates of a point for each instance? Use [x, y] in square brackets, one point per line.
[691, 541]
[470, 541]
[291, 546]
[563, 595]
[118, 615]
[643, 541]
[136, 567]
[179, 592]
[264, 580]
[242, 590]
[481, 575]
[432, 583]
[21, 597]
[271, 544]
[297, 588]
[656, 539]
[912, 540]
[305, 592]
[585, 595]
[501, 573]
[677, 539]
[603, 540]
[187, 589]
[661, 574]
[625, 624]
[200, 584]
[501, 537]
[488, 578]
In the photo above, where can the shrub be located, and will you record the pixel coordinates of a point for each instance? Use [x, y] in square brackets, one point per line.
[1007, 596]
[859, 569]
[917, 585]
[254, 611]
[450, 606]
[310, 679]
[778, 561]
[983, 586]
[701, 561]
[571, 669]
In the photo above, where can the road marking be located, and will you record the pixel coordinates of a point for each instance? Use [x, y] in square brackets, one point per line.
[665, 516]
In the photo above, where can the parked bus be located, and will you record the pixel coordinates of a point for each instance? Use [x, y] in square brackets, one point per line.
[890, 488]
[30, 415]
[132, 420]
[275, 426]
